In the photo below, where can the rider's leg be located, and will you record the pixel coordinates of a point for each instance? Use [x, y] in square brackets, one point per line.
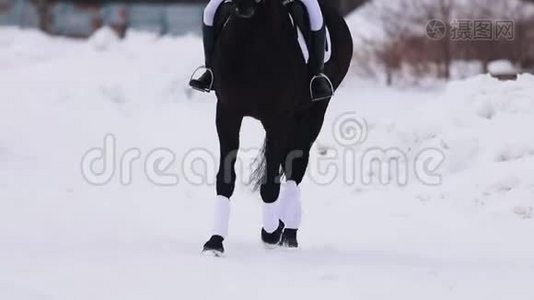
[320, 86]
[205, 82]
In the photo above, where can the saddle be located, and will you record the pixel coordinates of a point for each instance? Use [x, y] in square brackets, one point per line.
[299, 18]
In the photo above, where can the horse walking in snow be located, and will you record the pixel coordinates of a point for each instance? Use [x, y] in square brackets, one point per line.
[261, 70]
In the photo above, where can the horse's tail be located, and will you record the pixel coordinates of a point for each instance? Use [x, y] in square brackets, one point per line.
[259, 174]
[302, 133]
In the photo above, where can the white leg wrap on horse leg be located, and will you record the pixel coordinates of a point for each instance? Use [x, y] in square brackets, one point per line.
[270, 216]
[221, 216]
[291, 212]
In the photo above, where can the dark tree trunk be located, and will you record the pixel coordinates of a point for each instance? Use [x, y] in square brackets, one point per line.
[43, 9]
[446, 13]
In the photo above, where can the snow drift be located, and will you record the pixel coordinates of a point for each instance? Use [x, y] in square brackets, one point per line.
[466, 237]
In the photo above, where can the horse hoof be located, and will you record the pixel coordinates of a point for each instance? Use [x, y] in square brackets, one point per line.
[289, 239]
[214, 246]
[271, 240]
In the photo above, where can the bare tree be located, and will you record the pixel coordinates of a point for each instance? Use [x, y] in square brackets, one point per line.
[43, 10]
[406, 45]
[517, 49]
[403, 22]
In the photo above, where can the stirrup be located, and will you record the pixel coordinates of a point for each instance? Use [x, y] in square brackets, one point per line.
[206, 90]
[321, 75]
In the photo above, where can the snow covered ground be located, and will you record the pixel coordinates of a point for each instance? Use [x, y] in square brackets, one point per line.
[461, 229]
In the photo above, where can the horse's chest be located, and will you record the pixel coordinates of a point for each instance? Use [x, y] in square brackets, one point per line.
[265, 67]
[264, 54]
[264, 49]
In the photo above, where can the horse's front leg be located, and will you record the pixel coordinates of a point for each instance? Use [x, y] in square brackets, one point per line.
[277, 133]
[308, 124]
[228, 126]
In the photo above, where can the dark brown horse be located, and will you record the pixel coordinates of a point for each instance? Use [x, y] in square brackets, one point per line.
[260, 72]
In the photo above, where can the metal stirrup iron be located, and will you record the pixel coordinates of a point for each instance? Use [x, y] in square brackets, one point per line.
[329, 82]
[212, 79]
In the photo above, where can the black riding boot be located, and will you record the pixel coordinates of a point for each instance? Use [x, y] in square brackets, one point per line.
[320, 85]
[205, 82]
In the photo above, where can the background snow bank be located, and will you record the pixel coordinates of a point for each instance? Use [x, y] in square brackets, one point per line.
[62, 238]
[482, 126]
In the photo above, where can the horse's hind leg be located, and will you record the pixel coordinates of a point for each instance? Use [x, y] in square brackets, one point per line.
[228, 126]
[277, 133]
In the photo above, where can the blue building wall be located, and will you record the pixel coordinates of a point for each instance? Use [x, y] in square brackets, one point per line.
[72, 19]
[18, 12]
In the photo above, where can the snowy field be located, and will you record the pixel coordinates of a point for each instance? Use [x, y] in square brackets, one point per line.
[464, 229]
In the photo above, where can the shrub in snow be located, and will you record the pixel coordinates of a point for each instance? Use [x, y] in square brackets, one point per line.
[103, 39]
[503, 67]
